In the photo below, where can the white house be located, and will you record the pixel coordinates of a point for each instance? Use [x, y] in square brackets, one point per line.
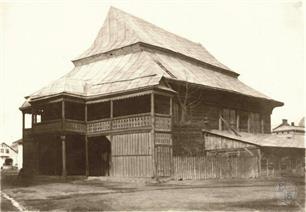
[7, 152]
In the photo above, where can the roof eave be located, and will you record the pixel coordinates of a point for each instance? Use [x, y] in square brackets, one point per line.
[275, 103]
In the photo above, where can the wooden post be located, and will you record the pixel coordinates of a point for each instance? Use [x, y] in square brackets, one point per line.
[86, 145]
[23, 124]
[220, 120]
[63, 113]
[64, 170]
[153, 135]
[249, 122]
[237, 121]
[32, 120]
[262, 124]
[259, 162]
[171, 145]
[111, 137]
[86, 157]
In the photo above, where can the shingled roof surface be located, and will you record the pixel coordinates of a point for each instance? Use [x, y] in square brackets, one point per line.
[138, 68]
[122, 29]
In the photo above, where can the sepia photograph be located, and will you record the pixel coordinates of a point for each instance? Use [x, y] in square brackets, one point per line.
[143, 105]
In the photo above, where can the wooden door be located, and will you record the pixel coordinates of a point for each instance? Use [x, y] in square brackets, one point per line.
[163, 156]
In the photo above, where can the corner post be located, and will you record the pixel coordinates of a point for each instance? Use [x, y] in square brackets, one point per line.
[110, 170]
[63, 113]
[153, 136]
[86, 145]
[23, 124]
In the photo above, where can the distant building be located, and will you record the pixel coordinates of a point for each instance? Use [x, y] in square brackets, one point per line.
[285, 128]
[17, 146]
[6, 153]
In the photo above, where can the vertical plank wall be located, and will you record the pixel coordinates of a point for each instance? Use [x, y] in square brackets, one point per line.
[132, 155]
[208, 167]
[163, 154]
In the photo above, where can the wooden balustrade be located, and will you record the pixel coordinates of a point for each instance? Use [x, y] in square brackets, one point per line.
[49, 126]
[75, 126]
[138, 121]
[163, 123]
[98, 126]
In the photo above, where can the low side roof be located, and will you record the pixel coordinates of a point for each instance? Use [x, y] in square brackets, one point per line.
[264, 140]
[122, 29]
[116, 74]
[138, 70]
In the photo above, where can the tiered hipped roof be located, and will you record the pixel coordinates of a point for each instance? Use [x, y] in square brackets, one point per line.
[131, 54]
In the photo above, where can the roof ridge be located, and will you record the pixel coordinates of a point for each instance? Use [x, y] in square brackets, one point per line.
[156, 26]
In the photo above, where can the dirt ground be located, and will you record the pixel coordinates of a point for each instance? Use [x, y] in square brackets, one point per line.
[100, 194]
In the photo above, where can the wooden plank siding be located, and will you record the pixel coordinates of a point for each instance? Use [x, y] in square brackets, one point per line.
[214, 142]
[163, 154]
[132, 155]
[203, 167]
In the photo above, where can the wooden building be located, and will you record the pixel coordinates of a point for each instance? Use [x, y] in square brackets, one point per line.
[121, 111]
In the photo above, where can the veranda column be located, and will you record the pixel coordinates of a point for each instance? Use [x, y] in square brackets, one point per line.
[153, 136]
[23, 124]
[110, 170]
[86, 145]
[64, 170]
[63, 140]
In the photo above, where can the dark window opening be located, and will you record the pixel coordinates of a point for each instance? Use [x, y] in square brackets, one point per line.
[98, 111]
[51, 111]
[162, 104]
[255, 123]
[243, 121]
[230, 117]
[131, 106]
[74, 111]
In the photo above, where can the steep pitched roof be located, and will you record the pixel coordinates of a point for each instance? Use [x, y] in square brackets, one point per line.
[131, 66]
[122, 29]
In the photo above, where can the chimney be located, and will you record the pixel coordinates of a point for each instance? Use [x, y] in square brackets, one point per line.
[292, 123]
[285, 122]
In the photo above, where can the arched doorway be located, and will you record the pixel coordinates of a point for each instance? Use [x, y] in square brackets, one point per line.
[99, 155]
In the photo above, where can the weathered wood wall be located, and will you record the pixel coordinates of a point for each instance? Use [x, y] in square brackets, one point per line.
[204, 107]
[208, 167]
[163, 154]
[132, 155]
[215, 142]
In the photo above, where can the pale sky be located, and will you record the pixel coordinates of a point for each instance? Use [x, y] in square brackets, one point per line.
[261, 40]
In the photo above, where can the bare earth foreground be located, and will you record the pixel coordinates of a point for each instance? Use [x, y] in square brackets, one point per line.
[115, 194]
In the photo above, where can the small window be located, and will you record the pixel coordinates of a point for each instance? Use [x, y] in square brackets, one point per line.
[162, 104]
[230, 117]
[38, 118]
[243, 121]
[2, 150]
[7, 151]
